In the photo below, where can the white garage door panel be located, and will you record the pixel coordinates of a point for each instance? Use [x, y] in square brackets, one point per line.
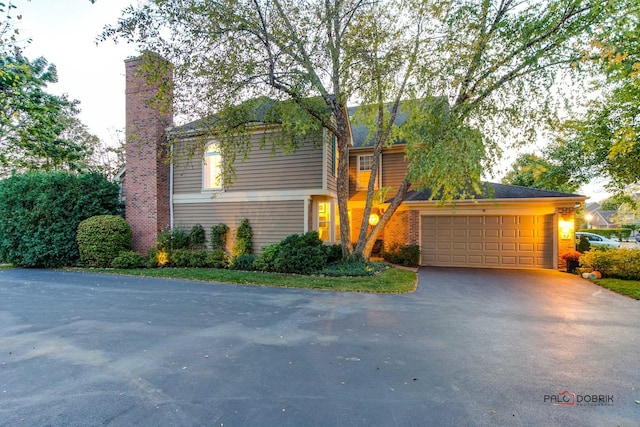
[509, 241]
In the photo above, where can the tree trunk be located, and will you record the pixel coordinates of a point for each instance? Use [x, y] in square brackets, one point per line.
[343, 183]
[363, 248]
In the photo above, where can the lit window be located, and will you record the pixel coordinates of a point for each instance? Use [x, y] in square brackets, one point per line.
[365, 164]
[212, 169]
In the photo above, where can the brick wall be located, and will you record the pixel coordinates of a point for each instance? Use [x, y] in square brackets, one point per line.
[147, 169]
[565, 245]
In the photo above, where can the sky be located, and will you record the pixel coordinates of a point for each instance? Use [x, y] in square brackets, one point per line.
[65, 31]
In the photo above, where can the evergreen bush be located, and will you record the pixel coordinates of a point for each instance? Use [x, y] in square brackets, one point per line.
[243, 262]
[302, 254]
[101, 238]
[40, 213]
[265, 261]
[408, 255]
[243, 244]
[129, 260]
[219, 236]
[197, 237]
[217, 258]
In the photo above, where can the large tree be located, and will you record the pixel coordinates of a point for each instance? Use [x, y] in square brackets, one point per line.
[606, 141]
[35, 126]
[477, 71]
[538, 171]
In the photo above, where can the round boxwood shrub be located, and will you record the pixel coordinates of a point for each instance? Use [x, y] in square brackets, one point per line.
[101, 238]
[303, 254]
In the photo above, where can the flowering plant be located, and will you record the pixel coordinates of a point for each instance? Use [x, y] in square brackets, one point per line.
[571, 256]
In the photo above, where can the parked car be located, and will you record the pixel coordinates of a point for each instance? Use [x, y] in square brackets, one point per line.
[638, 238]
[597, 240]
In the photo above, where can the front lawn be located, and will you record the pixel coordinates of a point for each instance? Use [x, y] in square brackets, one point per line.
[630, 288]
[390, 280]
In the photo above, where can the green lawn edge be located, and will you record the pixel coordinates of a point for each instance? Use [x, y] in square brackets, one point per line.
[390, 280]
[629, 288]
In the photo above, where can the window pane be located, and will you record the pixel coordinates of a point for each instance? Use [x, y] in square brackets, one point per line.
[212, 167]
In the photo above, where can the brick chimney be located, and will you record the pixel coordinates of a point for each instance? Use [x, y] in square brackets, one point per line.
[147, 169]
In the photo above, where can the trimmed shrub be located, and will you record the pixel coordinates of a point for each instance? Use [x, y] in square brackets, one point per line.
[265, 261]
[170, 240]
[334, 253]
[197, 237]
[101, 239]
[152, 258]
[129, 260]
[217, 258]
[302, 254]
[408, 255]
[243, 262]
[621, 263]
[189, 258]
[219, 237]
[40, 213]
[243, 243]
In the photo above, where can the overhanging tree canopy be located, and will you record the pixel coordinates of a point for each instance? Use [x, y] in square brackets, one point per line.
[484, 70]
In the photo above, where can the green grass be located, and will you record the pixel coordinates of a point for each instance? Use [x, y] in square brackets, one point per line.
[5, 266]
[390, 280]
[630, 288]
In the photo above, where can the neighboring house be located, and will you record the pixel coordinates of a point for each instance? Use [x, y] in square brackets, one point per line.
[601, 218]
[282, 194]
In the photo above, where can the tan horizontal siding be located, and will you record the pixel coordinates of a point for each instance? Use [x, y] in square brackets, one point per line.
[394, 170]
[262, 170]
[270, 221]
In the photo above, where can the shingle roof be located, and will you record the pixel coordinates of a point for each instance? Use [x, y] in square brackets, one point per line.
[360, 133]
[497, 191]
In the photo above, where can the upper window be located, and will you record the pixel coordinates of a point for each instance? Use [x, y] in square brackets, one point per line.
[365, 163]
[212, 168]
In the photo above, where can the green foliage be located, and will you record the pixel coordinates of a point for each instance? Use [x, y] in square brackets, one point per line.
[302, 254]
[189, 258]
[243, 244]
[266, 260]
[334, 253]
[217, 258]
[620, 263]
[219, 236]
[243, 262]
[403, 255]
[170, 240]
[129, 260]
[353, 268]
[583, 244]
[530, 170]
[40, 213]
[197, 237]
[101, 238]
[33, 122]
[151, 259]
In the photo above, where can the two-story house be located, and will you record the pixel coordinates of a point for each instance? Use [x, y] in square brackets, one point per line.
[285, 193]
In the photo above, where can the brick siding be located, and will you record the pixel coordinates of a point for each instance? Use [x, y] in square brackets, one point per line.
[147, 169]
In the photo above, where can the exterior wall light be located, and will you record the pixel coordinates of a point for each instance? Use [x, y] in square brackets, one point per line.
[566, 228]
[374, 219]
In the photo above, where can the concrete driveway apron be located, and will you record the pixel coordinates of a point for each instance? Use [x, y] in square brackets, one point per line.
[469, 347]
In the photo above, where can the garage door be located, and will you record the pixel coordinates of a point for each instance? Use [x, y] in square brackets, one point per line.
[507, 241]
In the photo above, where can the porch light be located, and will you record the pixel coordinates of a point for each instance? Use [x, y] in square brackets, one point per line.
[566, 228]
[374, 219]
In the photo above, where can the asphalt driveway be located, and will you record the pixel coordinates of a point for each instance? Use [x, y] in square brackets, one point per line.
[469, 347]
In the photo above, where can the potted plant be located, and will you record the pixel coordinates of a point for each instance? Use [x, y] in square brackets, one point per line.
[572, 258]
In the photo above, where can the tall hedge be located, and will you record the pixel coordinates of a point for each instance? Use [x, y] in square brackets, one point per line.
[40, 213]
